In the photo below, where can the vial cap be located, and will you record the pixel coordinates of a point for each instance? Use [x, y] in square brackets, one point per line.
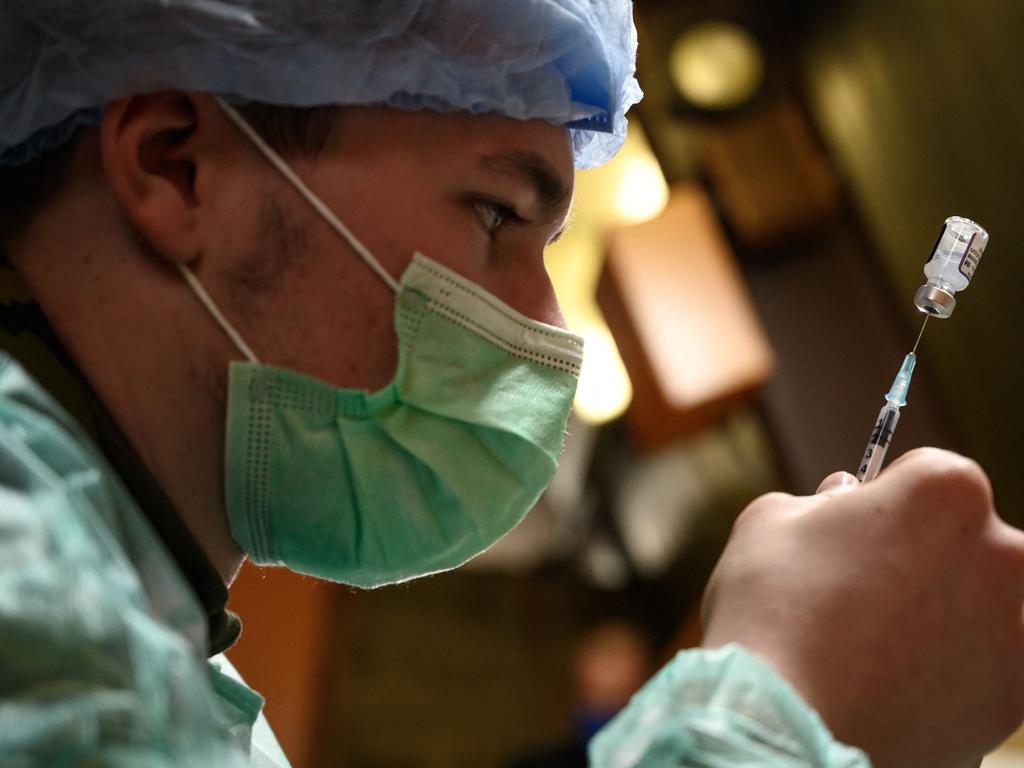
[933, 300]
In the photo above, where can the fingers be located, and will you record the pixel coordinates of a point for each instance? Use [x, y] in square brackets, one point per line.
[836, 483]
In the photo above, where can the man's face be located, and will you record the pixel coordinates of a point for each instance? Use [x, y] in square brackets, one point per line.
[167, 179]
[483, 195]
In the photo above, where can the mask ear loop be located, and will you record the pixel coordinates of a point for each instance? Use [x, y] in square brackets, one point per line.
[318, 205]
[206, 301]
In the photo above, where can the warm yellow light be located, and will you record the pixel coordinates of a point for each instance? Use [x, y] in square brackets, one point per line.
[642, 192]
[629, 189]
[604, 390]
[716, 65]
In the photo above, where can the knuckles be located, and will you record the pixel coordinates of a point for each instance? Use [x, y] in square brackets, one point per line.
[937, 464]
[761, 508]
[966, 476]
[939, 479]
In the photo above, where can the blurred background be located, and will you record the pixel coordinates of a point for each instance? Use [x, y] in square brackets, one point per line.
[744, 274]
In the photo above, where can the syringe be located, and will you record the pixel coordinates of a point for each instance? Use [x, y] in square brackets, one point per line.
[949, 269]
[885, 426]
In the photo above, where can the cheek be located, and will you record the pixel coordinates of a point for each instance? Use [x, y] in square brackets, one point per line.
[330, 316]
[410, 212]
[413, 213]
[459, 250]
[394, 234]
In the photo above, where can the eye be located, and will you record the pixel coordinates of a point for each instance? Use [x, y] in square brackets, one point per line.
[494, 215]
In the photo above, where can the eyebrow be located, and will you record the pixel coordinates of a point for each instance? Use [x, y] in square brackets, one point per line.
[552, 191]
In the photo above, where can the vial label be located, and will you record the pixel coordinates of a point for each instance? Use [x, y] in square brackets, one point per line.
[971, 258]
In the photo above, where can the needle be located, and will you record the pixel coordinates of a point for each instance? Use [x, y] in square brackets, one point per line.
[920, 333]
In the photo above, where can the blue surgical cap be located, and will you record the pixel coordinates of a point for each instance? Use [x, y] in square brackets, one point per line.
[570, 62]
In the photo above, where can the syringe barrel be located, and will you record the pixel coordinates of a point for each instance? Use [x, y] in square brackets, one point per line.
[878, 444]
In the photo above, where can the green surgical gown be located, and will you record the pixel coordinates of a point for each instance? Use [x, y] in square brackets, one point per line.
[102, 642]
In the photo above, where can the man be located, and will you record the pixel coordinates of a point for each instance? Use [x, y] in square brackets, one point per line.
[325, 339]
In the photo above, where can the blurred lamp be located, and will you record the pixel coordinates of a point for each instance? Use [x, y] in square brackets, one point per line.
[604, 391]
[716, 65]
[642, 192]
[626, 191]
[685, 324]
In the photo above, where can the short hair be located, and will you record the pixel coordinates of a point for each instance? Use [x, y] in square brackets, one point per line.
[24, 190]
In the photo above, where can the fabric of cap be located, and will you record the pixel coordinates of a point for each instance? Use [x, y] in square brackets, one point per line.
[570, 62]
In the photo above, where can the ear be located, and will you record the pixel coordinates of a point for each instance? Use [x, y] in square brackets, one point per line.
[152, 155]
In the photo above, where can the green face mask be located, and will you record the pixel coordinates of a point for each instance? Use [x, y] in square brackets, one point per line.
[420, 476]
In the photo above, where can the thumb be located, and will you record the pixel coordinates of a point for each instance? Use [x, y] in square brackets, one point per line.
[837, 482]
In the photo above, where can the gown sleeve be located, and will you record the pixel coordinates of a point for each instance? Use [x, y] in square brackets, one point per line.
[721, 708]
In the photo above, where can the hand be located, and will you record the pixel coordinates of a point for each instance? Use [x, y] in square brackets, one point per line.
[896, 609]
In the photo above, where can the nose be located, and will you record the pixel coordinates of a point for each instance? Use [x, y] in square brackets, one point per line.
[551, 313]
[526, 287]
